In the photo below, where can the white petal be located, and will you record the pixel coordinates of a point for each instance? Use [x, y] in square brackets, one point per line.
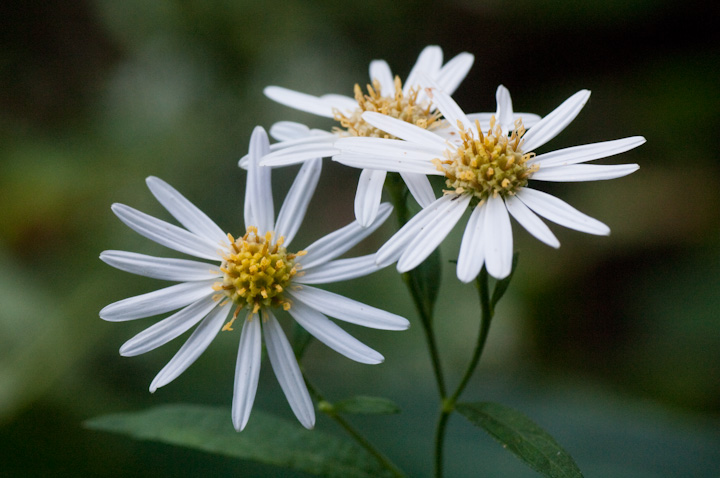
[348, 310]
[369, 195]
[288, 372]
[430, 237]
[337, 243]
[166, 234]
[504, 109]
[454, 72]
[560, 212]
[340, 102]
[327, 332]
[420, 188]
[339, 270]
[472, 247]
[259, 210]
[528, 119]
[247, 372]
[193, 347]
[168, 328]
[498, 239]
[160, 267]
[185, 212]
[407, 131]
[443, 129]
[584, 172]
[380, 71]
[551, 125]
[531, 222]
[297, 200]
[310, 138]
[397, 244]
[320, 147]
[389, 148]
[447, 106]
[385, 163]
[299, 101]
[289, 130]
[429, 62]
[586, 152]
[157, 302]
[482, 118]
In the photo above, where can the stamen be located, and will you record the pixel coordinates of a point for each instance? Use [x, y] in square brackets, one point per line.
[490, 165]
[400, 105]
[228, 327]
[256, 271]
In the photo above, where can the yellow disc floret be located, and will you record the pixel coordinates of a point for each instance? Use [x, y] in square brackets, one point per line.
[256, 271]
[492, 164]
[402, 106]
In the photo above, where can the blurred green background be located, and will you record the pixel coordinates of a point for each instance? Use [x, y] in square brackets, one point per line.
[611, 344]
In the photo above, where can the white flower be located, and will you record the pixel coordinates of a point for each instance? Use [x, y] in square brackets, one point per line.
[386, 95]
[487, 172]
[255, 273]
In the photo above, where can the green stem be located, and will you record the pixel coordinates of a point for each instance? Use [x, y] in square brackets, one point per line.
[398, 194]
[440, 428]
[382, 459]
[328, 408]
[487, 314]
[448, 405]
[426, 321]
[398, 197]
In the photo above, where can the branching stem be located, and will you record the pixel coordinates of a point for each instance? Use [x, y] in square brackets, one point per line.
[398, 195]
[448, 405]
[327, 408]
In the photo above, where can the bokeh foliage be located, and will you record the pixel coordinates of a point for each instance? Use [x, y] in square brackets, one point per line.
[611, 344]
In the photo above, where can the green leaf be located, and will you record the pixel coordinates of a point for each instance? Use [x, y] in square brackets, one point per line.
[424, 282]
[502, 285]
[364, 405]
[266, 439]
[523, 437]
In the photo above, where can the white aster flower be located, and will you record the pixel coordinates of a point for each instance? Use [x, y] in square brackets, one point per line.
[385, 95]
[489, 173]
[254, 273]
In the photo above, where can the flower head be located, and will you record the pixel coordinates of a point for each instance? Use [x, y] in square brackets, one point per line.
[486, 170]
[250, 277]
[386, 95]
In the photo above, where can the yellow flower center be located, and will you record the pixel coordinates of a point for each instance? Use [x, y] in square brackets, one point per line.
[400, 106]
[492, 164]
[256, 271]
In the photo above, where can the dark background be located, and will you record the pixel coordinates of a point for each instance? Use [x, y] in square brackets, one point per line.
[611, 344]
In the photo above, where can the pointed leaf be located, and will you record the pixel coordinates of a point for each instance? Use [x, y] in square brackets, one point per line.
[517, 433]
[364, 405]
[266, 439]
